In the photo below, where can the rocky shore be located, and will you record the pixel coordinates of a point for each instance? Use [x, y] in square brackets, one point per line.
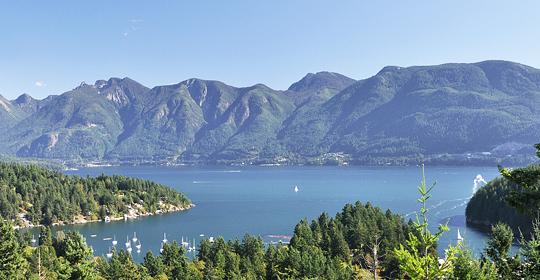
[82, 220]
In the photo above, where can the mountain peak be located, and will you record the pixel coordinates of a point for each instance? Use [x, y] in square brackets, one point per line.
[321, 80]
[312, 84]
[83, 84]
[23, 99]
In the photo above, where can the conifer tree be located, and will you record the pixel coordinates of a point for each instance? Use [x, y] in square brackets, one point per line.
[302, 237]
[45, 236]
[531, 253]
[526, 198]
[28, 238]
[468, 266]
[12, 263]
[498, 251]
[418, 263]
[204, 251]
[153, 264]
[78, 255]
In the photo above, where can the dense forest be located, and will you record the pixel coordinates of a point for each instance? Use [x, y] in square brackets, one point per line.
[327, 248]
[35, 195]
[358, 243]
[488, 206]
[45, 163]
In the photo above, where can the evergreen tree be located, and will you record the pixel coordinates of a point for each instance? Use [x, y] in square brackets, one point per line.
[531, 253]
[62, 268]
[174, 260]
[119, 266]
[339, 248]
[232, 270]
[45, 236]
[526, 198]
[12, 263]
[204, 251]
[153, 264]
[498, 251]
[78, 255]
[468, 267]
[210, 272]
[43, 258]
[28, 238]
[418, 263]
[302, 237]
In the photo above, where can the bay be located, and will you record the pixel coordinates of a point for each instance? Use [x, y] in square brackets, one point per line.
[232, 201]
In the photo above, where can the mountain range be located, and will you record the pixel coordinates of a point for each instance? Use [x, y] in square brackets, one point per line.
[485, 108]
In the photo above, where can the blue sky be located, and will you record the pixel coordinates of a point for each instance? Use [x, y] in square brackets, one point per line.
[49, 47]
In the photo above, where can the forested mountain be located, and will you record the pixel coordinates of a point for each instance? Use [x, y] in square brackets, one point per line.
[458, 111]
[29, 104]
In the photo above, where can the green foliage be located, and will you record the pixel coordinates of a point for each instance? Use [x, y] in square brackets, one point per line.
[410, 115]
[468, 266]
[526, 197]
[530, 253]
[45, 236]
[51, 165]
[488, 206]
[418, 263]
[498, 251]
[119, 266]
[509, 199]
[48, 197]
[12, 263]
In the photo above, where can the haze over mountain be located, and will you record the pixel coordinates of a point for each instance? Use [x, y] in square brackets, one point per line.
[490, 106]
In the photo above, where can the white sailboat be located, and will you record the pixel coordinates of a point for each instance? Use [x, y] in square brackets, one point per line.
[459, 238]
[129, 249]
[165, 237]
[295, 188]
[161, 250]
[134, 237]
[128, 243]
[138, 245]
[184, 243]
[114, 242]
[33, 240]
[109, 254]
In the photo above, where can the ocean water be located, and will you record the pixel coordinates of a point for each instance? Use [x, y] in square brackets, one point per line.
[232, 201]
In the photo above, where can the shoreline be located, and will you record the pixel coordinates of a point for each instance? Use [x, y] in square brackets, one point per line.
[125, 217]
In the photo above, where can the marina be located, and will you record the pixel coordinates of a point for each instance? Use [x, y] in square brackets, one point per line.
[263, 201]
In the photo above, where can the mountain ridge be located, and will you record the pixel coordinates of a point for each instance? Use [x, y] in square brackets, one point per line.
[417, 112]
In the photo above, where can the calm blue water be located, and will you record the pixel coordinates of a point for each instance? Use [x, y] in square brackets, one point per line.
[231, 201]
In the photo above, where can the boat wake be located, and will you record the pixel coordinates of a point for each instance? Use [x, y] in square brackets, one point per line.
[464, 202]
[450, 204]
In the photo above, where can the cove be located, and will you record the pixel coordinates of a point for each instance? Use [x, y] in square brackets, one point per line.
[233, 200]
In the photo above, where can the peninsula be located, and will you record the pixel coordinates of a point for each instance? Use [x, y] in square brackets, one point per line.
[32, 195]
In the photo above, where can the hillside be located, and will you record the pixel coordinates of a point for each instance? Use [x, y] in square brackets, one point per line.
[33, 195]
[480, 113]
[10, 115]
[488, 207]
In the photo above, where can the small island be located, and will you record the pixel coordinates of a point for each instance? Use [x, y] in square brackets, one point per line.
[31, 195]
